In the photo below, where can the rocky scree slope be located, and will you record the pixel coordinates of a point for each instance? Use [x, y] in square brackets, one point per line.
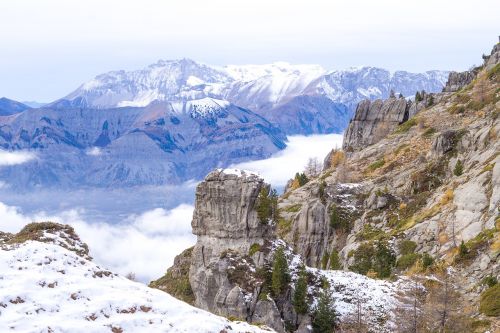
[48, 283]
[418, 192]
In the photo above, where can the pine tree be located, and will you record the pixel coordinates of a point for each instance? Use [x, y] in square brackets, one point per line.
[325, 315]
[264, 208]
[418, 97]
[280, 276]
[300, 294]
[463, 250]
[335, 260]
[301, 178]
[267, 205]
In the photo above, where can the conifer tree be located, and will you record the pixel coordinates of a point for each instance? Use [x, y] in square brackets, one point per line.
[300, 294]
[459, 168]
[264, 208]
[280, 276]
[325, 315]
[334, 260]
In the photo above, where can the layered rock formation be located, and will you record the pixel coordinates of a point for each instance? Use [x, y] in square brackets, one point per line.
[374, 120]
[126, 147]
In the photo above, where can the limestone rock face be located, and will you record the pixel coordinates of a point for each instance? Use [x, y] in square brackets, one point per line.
[374, 120]
[224, 207]
[222, 273]
[494, 58]
[458, 80]
[444, 143]
[313, 234]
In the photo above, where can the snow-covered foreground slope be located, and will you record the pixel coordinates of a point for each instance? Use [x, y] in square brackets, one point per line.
[47, 288]
[376, 300]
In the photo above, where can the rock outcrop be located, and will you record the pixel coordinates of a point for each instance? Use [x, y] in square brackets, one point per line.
[222, 274]
[417, 194]
[458, 80]
[374, 120]
[493, 59]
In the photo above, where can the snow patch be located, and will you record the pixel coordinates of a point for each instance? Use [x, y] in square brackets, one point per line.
[206, 107]
[239, 172]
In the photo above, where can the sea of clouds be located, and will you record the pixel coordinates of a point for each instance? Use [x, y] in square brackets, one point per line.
[140, 231]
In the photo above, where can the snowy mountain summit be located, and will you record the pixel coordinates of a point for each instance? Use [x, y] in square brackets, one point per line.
[256, 87]
[49, 284]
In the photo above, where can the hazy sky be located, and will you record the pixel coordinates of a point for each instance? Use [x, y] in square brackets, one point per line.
[49, 47]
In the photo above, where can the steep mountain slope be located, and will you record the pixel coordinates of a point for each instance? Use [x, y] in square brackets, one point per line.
[227, 270]
[158, 144]
[260, 88]
[414, 198]
[9, 107]
[48, 283]
[420, 194]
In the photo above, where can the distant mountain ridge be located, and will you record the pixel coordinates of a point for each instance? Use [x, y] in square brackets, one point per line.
[9, 107]
[176, 120]
[260, 88]
[255, 87]
[131, 146]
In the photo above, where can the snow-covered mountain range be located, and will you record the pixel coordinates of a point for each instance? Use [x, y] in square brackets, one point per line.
[260, 88]
[130, 146]
[176, 120]
[256, 87]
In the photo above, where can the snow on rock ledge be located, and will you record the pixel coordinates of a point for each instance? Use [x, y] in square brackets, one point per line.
[47, 288]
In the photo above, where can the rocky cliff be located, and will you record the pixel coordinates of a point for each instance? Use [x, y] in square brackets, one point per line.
[373, 120]
[232, 264]
[415, 198]
[226, 223]
[429, 182]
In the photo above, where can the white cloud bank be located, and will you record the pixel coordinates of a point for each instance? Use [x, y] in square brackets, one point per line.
[283, 165]
[13, 158]
[144, 244]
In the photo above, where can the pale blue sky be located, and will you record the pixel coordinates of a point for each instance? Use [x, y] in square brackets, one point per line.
[49, 47]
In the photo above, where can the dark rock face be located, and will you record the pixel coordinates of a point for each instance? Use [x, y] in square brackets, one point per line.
[444, 143]
[374, 120]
